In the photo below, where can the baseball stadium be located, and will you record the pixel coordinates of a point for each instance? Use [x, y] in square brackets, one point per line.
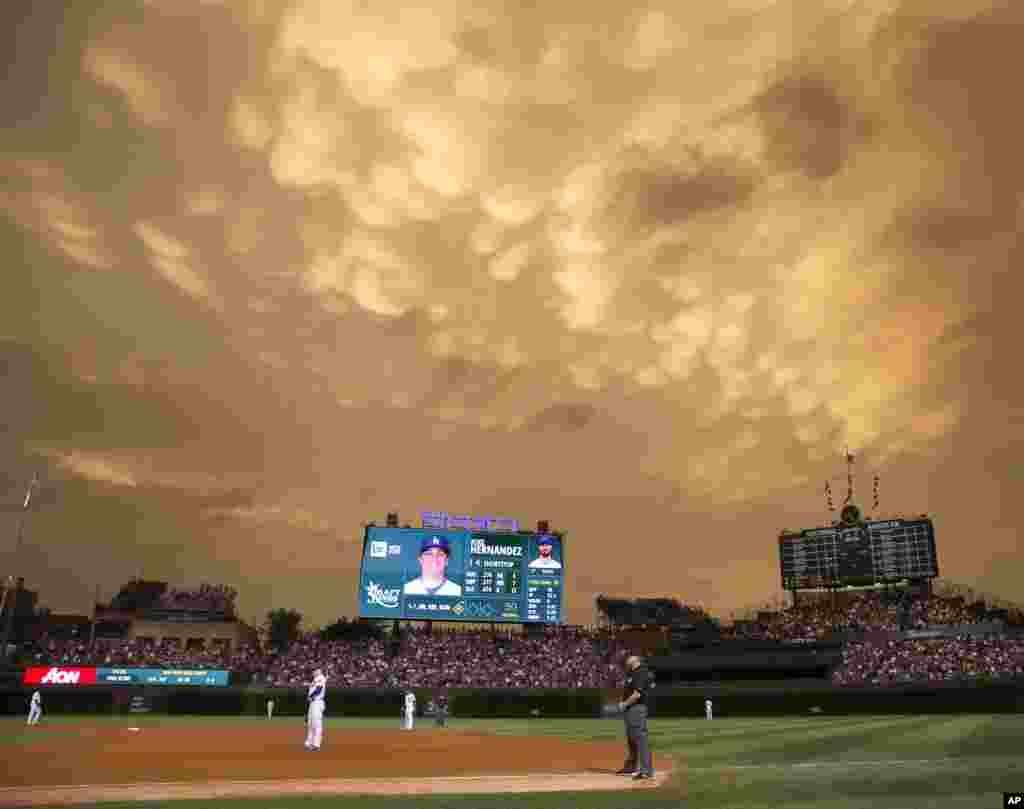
[698, 316]
[888, 694]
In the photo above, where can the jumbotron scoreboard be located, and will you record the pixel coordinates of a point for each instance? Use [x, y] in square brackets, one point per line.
[461, 575]
[855, 551]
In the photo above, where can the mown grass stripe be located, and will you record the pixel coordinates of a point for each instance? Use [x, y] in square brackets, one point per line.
[784, 738]
[825, 742]
[895, 762]
[725, 732]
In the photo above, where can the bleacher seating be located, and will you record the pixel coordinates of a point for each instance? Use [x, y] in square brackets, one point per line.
[891, 639]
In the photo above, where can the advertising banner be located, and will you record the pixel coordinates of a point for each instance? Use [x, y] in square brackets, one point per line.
[87, 675]
[60, 675]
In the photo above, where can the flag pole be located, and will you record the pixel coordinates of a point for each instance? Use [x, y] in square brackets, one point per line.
[92, 629]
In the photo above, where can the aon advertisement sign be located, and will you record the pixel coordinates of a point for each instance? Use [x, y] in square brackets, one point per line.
[60, 675]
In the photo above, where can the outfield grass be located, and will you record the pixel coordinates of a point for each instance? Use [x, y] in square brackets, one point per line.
[901, 762]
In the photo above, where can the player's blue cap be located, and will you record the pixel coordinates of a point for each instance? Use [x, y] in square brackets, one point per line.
[435, 542]
[545, 540]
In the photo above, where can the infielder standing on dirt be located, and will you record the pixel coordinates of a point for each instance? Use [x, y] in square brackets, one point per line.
[35, 708]
[316, 699]
[409, 711]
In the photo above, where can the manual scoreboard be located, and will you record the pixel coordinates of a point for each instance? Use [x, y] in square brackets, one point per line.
[858, 552]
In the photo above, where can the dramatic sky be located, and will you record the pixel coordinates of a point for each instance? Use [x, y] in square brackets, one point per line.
[273, 268]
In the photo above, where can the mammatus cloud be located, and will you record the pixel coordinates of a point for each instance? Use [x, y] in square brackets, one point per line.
[717, 247]
[694, 251]
[98, 469]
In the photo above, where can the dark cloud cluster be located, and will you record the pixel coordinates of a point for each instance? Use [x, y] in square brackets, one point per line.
[808, 127]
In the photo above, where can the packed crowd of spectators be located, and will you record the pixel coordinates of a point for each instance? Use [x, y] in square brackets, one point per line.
[356, 654]
[140, 653]
[877, 610]
[925, 611]
[563, 657]
[217, 598]
[900, 661]
[560, 657]
[346, 664]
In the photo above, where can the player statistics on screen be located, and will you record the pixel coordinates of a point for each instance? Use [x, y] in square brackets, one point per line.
[454, 575]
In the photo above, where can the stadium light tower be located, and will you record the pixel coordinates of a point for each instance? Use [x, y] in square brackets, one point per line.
[849, 477]
[8, 603]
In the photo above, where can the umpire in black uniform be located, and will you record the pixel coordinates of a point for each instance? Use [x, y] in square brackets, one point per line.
[639, 682]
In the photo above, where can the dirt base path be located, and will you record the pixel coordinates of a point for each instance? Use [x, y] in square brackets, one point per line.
[78, 764]
[541, 782]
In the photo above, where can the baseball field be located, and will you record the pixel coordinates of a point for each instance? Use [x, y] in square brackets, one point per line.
[890, 762]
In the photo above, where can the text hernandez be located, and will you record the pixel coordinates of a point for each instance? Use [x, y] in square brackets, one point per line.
[481, 546]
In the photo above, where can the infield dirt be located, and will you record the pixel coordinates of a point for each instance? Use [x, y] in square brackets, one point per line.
[83, 761]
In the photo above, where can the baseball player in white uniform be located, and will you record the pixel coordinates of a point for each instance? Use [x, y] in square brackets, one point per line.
[316, 699]
[35, 708]
[707, 708]
[270, 709]
[409, 711]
